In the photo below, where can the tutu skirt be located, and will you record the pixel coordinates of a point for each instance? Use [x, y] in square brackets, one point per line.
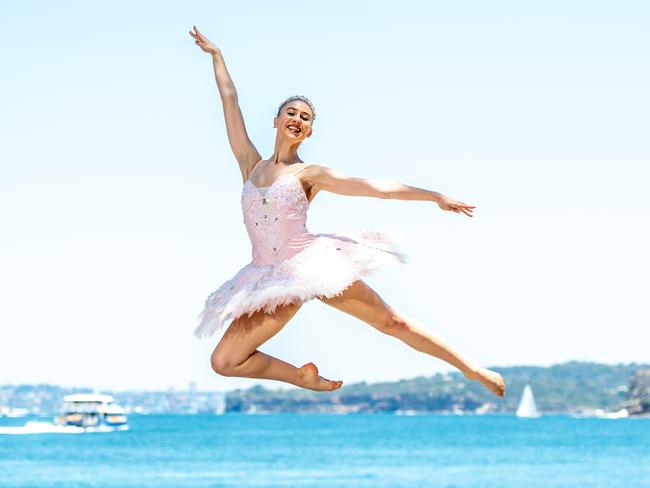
[330, 264]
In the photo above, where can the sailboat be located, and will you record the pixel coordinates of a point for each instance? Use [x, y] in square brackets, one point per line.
[527, 407]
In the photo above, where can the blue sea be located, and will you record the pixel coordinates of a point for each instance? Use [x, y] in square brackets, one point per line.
[291, 450]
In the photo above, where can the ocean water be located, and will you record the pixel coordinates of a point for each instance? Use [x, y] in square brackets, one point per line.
[291, 450]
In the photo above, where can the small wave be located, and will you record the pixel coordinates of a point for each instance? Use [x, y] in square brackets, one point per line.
[48, 428]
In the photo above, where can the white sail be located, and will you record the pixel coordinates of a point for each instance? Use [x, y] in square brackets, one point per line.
[527, 407]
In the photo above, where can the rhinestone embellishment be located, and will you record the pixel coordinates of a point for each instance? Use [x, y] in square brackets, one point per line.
[264, 215]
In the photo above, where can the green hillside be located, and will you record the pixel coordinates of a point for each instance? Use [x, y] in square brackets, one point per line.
[566, 387]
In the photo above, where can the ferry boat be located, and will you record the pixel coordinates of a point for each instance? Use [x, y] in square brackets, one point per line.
[91, 411]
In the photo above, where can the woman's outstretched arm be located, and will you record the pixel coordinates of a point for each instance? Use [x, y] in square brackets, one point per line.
[324, 178]
[242, 147]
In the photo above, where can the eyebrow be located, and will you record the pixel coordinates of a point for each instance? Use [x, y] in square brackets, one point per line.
[294, 108]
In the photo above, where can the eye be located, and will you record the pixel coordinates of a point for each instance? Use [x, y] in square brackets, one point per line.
[305, 117]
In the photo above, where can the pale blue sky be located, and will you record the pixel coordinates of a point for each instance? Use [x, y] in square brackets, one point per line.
[119, 196]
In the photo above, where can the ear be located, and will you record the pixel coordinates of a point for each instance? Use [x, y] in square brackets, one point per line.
[275, 121]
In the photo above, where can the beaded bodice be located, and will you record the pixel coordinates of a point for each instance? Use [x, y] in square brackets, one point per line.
[276, 221]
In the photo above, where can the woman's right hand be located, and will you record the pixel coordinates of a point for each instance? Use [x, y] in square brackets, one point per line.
[203, 42]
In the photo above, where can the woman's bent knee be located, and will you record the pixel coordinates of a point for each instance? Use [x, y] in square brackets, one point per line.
[222, 364]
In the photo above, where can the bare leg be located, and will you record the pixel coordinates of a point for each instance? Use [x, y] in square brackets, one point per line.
[362, 302]
[237, 354]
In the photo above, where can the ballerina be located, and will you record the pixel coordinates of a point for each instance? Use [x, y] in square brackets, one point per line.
[291, 265]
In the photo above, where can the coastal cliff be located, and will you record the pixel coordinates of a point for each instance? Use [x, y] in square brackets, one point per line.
[638, 397]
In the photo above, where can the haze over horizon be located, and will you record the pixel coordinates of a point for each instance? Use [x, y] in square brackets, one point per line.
[119, 195]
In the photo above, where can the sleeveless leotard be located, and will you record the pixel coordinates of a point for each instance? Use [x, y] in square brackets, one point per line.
[290, 264]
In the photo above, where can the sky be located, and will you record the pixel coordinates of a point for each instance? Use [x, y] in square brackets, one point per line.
[119, 195]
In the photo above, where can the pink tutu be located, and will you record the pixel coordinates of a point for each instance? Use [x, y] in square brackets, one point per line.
[291, 265]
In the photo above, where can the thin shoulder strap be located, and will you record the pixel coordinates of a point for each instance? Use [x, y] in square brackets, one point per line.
[306, 166]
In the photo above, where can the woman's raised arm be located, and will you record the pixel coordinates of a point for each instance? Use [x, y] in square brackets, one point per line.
[242, 147]
[323, 178]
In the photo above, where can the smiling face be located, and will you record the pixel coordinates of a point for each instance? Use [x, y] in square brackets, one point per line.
[295, 120]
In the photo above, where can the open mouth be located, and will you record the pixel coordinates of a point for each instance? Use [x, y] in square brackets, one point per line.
[294, 129]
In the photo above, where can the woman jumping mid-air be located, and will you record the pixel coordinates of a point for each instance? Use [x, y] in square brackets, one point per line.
[290, 265]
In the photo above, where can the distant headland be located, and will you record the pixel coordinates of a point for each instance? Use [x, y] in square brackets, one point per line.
[569, 388]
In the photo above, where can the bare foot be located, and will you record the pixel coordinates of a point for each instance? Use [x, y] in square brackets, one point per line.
[492, 380]
[313, 381]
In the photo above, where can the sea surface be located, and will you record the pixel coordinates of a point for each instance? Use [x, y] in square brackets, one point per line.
[292, 450]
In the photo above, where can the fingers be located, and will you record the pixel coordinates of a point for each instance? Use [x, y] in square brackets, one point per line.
[197, 35]
[461, 207]
[463, 204]
[199, 39]
[466, 209]
[457, 206]
[201, 36]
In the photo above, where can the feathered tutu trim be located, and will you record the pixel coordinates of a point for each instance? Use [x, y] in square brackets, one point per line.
[330, 264]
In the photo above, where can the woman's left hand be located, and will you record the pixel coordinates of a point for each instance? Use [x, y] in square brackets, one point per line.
[448, 203]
